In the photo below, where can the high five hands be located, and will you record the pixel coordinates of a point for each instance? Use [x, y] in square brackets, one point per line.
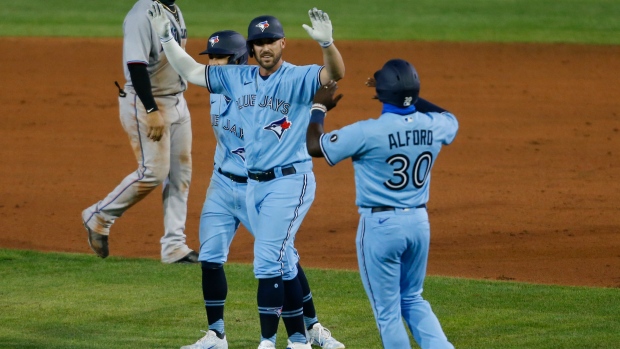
[325, 95]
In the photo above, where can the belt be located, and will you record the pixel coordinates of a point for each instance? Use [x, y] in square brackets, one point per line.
[233, 177]
[270, 174]
[390, 208]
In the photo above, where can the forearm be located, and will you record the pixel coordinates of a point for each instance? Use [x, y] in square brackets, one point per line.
[334, 64]
[184, 64]
[314, 133]
[142, 85]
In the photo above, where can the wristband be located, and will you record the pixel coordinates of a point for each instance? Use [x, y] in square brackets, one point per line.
[317, 115]
[326, 44]
[319, 106]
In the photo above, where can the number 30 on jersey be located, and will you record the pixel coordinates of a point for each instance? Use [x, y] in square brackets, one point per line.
[402, 176]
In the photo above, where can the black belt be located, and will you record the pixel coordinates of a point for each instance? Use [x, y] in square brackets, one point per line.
[233, 177]
[270, 174]
[390, 208]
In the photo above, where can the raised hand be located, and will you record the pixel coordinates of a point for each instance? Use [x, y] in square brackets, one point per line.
[325, 95]
[159, 21]
[321, 29]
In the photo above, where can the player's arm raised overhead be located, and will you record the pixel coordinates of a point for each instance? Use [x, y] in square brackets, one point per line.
[321, 31]
[183, 63]
[324, 100]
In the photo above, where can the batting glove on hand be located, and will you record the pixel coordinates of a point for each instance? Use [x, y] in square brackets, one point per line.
[321, 29]
[160, 22]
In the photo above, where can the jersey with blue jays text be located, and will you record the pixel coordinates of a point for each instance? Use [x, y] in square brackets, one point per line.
[141, 45]
[275, 112]
[392, 155]
[229, 152]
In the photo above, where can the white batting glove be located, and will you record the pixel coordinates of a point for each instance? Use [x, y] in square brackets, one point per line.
[321, 29]
[160, 22]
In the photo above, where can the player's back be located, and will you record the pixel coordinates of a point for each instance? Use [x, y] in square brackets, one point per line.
[393, 167]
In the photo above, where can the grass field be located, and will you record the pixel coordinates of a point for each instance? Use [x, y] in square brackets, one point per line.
[64, 301]
[568, 21]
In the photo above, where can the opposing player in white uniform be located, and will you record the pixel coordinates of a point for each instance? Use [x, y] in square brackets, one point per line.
[225, 208]
[273, 100]
[392, 158]
[156, 118]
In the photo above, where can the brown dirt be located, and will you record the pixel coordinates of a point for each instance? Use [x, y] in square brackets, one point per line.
[529, 190]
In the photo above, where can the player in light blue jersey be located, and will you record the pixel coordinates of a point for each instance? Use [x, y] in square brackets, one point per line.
[273, 100]
[224, 208]
[392, 160]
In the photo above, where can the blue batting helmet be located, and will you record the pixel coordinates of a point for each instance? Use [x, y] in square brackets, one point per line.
[263, 27]
[397, 83]
[230, 43]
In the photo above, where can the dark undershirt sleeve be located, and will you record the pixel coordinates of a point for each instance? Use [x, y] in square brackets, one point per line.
[142, 85]
[424, 106]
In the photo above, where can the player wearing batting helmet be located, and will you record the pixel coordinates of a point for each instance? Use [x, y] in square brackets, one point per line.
[227, 44]
[225, 208]
[392, 159]
[273, 100]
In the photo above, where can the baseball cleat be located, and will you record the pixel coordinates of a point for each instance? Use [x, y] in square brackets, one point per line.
[322, 337]
[265, 344]
[209, 341]
[97, 242]
[190, 258]
[292, 345]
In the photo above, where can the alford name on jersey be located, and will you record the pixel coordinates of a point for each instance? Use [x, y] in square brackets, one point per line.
[410, 137]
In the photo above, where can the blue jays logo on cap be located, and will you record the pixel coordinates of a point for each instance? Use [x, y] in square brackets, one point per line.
[214, 40]
[240, 152]
[263, 25]
[279, 126]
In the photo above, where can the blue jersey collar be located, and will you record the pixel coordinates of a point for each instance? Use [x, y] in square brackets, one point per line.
[389, 108]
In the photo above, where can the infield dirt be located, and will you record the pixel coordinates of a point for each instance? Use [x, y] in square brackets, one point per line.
[529, 191]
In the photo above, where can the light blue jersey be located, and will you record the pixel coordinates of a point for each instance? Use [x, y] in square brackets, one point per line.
[275, 112]
[392, 155]
[225, 208]
[230, 151]
[392, 158]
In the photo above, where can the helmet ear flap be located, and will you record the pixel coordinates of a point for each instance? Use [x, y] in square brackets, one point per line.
[250, 47]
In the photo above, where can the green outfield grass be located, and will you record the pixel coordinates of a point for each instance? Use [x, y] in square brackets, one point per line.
[64, 301]
[567, 21]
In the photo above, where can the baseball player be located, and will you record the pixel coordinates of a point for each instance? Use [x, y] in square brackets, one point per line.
[273, 100]
[154, 114]
[392, 159]
[224, 208]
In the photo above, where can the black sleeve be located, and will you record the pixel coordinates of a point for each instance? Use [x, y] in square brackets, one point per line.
[142, 85]
[424, 106]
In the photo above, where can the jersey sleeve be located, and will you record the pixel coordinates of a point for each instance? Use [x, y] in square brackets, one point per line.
[314, 76]
[343, 143]
[214, 79]
[137, 41]
[449, 127]
[226, 79]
